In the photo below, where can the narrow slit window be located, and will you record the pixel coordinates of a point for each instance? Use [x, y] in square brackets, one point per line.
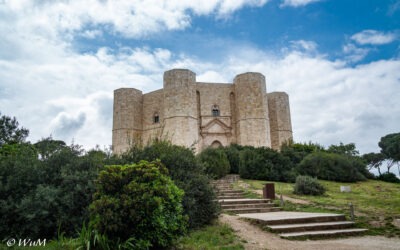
[156, 118]
[215, 110]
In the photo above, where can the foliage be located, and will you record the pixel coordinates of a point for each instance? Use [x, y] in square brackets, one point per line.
[9, 131]
[232, 153]
[38, 194]
[297, 151]
[138, 202]
[308, 186]
[214, 237]
[265, 164]
[390, 148]
[330, 166]
[374, 160]
[215, 162]
[186, 172]
[388, 177]
[344, 149]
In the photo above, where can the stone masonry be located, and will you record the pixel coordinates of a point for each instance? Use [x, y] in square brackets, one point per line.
[199, 115]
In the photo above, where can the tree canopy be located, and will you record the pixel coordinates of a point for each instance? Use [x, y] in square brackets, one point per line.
[10, 132]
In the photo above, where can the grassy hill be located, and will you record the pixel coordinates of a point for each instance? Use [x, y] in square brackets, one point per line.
[376, 203]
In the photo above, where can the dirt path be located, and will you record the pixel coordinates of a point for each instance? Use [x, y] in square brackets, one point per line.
[257, 239]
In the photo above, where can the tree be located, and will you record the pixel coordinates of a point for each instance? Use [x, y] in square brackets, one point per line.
[9, 131]
[374, 160]
[390, 148]
[346, 149]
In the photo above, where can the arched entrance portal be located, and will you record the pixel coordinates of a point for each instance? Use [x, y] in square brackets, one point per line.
[216, 144]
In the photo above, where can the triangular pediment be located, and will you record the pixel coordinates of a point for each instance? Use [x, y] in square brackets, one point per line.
[216, 126]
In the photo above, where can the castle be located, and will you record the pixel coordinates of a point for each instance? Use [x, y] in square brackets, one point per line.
[199, 115]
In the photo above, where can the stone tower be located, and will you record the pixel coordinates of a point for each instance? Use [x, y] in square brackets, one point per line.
[280, 122]
[180, 110]
[127, 118]
[199, 115]
[252, 121]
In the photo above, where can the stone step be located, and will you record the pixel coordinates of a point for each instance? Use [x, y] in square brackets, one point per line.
[253, 210]
[225, 197]
[253, 205]
[242, 201]
[223, 187]
[229, 192]
[282, 218]
[310, 234]
[288, 228]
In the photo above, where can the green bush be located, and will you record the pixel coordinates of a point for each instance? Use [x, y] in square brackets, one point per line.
[199, 199]
[333, 167]
[232, 153]
[40, 192]
[306, 185]
[138, 202]
[215, 162]
[388, 177]
[265, 164]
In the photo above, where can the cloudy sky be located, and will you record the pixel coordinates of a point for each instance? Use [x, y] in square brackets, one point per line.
[339, 60]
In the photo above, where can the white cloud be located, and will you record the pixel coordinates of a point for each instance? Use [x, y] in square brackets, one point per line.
[374, 37]
[354, 53]
[302, 45]
[135, 19]
[297, 3]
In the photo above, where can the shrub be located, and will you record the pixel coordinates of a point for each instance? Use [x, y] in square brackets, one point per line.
[232, 153]
[297, 151]
[308, 186]
[388, 177]
[41, 191]
[215, 162]
[334, 167]
[265, 164]
[187, 173]
[138, 202]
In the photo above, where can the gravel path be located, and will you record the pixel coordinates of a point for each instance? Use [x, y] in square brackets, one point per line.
[257, 239]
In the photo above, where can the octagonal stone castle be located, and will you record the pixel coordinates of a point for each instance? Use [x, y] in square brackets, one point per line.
[199, 115]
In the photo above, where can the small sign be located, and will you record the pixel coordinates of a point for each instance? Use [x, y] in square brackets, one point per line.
[346, 189]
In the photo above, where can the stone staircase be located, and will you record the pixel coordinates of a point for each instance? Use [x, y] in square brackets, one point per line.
[291, 225]
[234, 201]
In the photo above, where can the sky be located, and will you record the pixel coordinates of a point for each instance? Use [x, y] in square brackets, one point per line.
[339, 60]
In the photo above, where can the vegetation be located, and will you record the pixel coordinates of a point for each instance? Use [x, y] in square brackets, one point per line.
[215, 162]
[390, 154]
[138, 202]
[187, 174]
[376, 203]
[40, 192]
[214, 237]
[265, 164]
[306, 185]
[10, 133]
[330, 166]
[388, 177]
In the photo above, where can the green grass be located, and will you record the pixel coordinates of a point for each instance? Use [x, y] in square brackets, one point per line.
[376, 203]
[217, 236]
